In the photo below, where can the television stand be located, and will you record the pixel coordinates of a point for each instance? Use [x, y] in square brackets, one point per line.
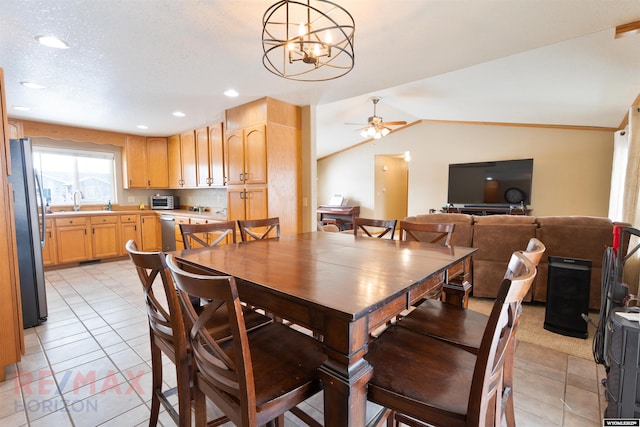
[487, 210]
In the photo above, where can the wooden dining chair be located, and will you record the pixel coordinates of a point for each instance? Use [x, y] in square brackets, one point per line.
[464, 328]
[258, 229]
[426, 232]
[207, 235]
[253, 378]
[167, 334]
[427, 381]
[375, 227]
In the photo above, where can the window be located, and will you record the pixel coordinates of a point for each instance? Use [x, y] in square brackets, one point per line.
[62, 171]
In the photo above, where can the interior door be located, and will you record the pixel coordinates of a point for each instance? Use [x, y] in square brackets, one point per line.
[391, 186]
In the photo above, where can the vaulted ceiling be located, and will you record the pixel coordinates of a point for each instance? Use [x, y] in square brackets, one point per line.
[133, 62]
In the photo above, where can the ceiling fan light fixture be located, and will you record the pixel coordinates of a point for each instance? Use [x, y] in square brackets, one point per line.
[385, 131]
[308, 40]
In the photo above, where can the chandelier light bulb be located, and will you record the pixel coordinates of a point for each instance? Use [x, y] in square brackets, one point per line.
[302, 29]
[327, 37]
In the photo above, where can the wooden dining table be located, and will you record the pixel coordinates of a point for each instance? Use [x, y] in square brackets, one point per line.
[339, 286]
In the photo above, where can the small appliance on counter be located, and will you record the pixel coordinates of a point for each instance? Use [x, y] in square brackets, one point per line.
[164, 202]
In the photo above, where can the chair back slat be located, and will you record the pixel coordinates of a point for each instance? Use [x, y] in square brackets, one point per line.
[375, 227]
[259, 229]
[202, 235]
[534, 251]
[426, 232]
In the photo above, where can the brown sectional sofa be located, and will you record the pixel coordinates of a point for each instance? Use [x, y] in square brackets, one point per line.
[497, 236]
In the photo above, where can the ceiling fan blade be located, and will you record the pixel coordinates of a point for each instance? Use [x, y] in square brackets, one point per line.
[399, 123]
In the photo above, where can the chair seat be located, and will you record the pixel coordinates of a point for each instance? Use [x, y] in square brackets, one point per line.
[280, 375]
[424, 369]
[457, 325]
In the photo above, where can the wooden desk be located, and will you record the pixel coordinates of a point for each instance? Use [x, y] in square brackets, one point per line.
[340, 286]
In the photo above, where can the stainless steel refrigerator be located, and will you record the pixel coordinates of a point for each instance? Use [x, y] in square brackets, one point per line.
[30, 232]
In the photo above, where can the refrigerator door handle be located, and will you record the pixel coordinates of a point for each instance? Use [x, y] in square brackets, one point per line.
[43, 227]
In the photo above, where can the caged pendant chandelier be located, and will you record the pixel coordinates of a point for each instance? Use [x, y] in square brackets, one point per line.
[308, 40]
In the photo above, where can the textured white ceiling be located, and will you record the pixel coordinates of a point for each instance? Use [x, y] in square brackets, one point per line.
[136, 61]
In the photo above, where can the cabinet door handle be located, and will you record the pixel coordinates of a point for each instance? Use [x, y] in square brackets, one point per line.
[241, 175]
[130, 182]
[246, 176]
[149, 183]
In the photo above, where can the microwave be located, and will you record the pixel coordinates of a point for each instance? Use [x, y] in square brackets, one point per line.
[164, 202]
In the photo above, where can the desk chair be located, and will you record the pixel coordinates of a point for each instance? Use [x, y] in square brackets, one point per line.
[210, 234]
[428, 381]
[426, 232]
[375, 227]
[464, 328]
[266, 227]
[254, 378]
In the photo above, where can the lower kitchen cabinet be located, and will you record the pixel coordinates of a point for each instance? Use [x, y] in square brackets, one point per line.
[49, 256]
[105, 236]
[151, 237]
[73, 242]
[130, 230]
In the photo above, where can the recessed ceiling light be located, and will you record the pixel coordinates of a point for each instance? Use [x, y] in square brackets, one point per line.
[142, 127]
[51, 41]
[32, 85]
[21, 108]
[179, 114]
[231, 93]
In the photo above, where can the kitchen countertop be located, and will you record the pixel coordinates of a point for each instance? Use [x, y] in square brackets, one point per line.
[181, 212]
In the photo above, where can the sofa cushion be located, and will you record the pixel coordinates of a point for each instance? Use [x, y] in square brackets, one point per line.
[497, 237]
[461, 234]
[580, 237]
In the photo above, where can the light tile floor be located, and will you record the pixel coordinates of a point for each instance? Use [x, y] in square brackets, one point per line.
[89, 364]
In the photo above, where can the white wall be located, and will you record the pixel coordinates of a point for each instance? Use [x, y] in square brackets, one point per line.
[571, 167]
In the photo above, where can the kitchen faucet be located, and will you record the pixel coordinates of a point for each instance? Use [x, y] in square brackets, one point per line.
[76, 202]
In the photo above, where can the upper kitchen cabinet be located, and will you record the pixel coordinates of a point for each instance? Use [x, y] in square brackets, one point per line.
[145, 162]
[209, 155]
[262, 150]
[182, 160]
[246, 156]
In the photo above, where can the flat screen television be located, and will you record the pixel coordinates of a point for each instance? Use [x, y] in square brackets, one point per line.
[500, 183]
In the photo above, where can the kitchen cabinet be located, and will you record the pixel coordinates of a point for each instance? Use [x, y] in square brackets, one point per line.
[145, 162]
[182, 160]
[11, 329]
[246, 156]
[209, 155]
[49, 256]
[130, 230]
[105, 236]
[247, 203]
[263, 162]
[150, 230]
[180, 220]
[157, 163]
[73, 241]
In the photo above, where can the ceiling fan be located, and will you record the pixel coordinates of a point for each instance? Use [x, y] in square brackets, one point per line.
[375, 127]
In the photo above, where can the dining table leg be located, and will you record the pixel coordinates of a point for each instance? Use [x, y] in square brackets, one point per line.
[346, 373]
